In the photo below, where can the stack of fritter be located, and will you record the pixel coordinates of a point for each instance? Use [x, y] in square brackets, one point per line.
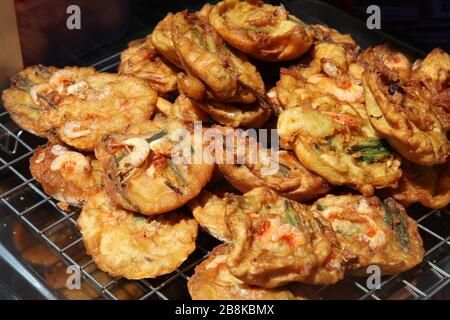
[366, 132]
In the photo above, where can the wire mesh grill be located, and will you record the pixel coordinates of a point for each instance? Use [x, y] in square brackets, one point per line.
[23, 196]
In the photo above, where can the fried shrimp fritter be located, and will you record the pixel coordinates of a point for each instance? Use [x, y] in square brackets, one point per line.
[261, 30]
[330, 35]
[209, 211]
[277, 241]
[433, 73]
[29, 98]
[227, 75]
[152, 167]
[100, 104]
[400, 113]
[383, 54]
[182, 108]
[77, 105]
[135, 247]
[66, 175]
[143, 61]
[162, 40]
[330, 72]
[294, 89]
[378, 233]
[213, 280]
[276, 170]
[336, 141]
[430, 186]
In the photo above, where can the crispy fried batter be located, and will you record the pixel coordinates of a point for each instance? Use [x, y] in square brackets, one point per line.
[378, 233]
[433, 73]
[77, 105]
[213, 280]
[101, 104]
[429, 186]
[135, 247]
[261, 30]
[143, 61]
[383, 54]
[209, 211]
[226, 74]
[66, 175]
[182, 108]
[328, 73]
[404, 117]
[29, 99]
[330, 35]
[336, 141]
[277, 241]
[162, 40]
[280, 170]
[152, 168]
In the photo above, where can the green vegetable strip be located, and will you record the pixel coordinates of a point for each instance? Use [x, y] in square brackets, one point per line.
[199, 37]
[291, 216]
[371, 151]
[157, 136]
[397, 221]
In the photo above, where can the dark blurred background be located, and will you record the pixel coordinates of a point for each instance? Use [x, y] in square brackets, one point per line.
[109, 24]
[423, 23]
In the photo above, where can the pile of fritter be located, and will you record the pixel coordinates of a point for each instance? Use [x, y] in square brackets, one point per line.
[362, 135]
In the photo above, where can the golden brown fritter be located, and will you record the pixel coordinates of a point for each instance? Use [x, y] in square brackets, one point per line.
[209, 211]
[277, 241]
[433, 70]
[330, 35]
[77, 105]
[133, 246]
[143, 61]
[213, 280]
[100, 104]
[261, 30]
[430, 186]
[400, 113]
[279, 170]
[66, 175]
[377, 233]
[162, 40]
[433, 74]
[152, 168]
[227, 75]
[328, 73]
[29, 98]
[383, 54]
[337, 142]
[182, 108]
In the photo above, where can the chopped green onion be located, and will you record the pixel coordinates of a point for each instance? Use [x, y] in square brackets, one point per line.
[157, 136]
[371, 151]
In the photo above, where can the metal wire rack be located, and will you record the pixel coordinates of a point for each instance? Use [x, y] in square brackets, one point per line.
[23, 196]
